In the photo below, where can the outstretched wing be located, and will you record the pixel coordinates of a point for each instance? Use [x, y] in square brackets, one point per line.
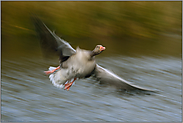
[106, 77]
[50, 42]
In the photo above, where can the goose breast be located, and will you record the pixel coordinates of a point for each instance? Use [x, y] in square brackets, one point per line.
[80, 64]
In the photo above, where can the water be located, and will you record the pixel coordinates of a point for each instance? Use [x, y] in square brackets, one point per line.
[28, 95]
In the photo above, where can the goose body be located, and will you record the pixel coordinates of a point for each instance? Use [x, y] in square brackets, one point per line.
[78, 65]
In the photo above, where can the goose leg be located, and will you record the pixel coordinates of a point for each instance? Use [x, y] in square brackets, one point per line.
[49, 72]
[68, 85]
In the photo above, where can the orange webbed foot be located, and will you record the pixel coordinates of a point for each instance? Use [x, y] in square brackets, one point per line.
[51, 71]
[48, 72]
[68, 85]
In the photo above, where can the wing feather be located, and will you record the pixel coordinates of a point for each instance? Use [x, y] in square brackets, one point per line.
[107, 77]
[50, 42]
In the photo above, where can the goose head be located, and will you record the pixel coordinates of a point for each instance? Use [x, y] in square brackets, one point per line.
[98, 49]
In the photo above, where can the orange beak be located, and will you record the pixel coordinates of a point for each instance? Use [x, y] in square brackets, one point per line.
[102, 48]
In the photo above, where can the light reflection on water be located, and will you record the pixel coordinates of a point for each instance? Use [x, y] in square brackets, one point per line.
[28, 95]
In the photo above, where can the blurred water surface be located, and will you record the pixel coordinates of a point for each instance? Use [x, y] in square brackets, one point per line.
[142, 46]
[28, 95]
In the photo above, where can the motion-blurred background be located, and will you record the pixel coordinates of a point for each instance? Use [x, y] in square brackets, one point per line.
[143, 41]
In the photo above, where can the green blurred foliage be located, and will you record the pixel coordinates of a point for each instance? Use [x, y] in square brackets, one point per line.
[111, 19]
[104, 21]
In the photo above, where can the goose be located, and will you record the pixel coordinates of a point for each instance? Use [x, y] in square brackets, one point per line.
[77, 64]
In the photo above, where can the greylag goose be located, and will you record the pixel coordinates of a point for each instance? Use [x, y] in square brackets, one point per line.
[77, 63]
